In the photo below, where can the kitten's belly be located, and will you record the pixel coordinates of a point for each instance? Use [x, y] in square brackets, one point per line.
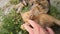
[45, 20]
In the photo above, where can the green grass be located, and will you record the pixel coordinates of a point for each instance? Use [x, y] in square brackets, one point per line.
[14, 1]
[54, 12]
[12, 23]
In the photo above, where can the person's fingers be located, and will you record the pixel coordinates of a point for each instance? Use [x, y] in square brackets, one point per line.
[40, 31]
[50, 30]
[37, 28]
[33, 24]
[36, 31]
[29, 29]
[43, 31]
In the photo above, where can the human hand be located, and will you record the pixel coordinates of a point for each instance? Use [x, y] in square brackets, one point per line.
[37, 29]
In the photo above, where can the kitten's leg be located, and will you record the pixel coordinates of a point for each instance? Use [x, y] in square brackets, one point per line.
[22, 26]
[19, 7]
[49, 19]
[57, 22]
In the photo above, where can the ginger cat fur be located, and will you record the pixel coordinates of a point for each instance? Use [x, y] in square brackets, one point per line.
[37, 13]
[39, 17]
[42, 3]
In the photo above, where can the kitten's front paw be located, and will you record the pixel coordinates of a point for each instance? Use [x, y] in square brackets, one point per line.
[22, 27]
